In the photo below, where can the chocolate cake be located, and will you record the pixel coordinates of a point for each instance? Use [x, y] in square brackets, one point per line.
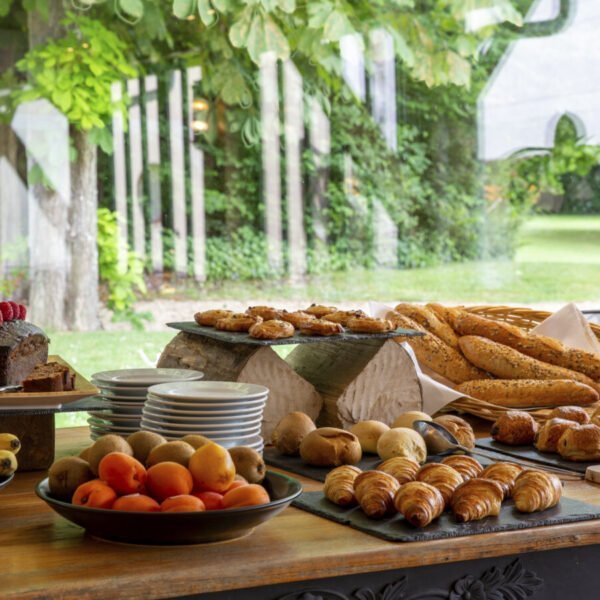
[23, 346]
[50, 377]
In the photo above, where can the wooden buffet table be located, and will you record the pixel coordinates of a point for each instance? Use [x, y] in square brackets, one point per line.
[294, 556]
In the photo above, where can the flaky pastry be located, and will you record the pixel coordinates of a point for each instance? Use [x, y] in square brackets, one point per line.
[443, 477]
[339, 485]
[342, 316]
[370, 325]
[267, 313]
[419, 503]
[550, 433]
[297, 318]
[476, 499]
[580, 443]
[536, 490]
[375, 491]
[467, 466]
[570, 413]
[237, 322]
[209, 318]
[319, 311]
[273, 329]
[403, 468]
[515, 428]
[321, 327]
[505, 473]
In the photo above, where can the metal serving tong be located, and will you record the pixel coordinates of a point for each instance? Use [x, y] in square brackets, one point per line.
[11, 388]
[440, 441]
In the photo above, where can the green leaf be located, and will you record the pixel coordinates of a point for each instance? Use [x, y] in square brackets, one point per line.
[238, 34]
[318, 12]
[337, 26]
[62, 100]
[275, 41]
[182, 9]
[288, 6]
[224, 6]
[207, 12]
[134, 8]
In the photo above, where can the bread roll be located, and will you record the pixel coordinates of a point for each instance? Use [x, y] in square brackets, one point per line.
[408, 418]
[402, 442]
[368, 434]
[428, 319]
[330, 447]
[290, 431]
[540, 347]
[437, 355]
[508, 363]
[524, 393]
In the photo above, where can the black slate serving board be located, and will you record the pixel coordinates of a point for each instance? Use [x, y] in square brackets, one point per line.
[232, 337]
[530, 453]
[296, 465]
[396, 529]
[85, 404]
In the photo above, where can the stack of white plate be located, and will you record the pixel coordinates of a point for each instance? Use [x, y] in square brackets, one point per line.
[125, 392]
[228, 413]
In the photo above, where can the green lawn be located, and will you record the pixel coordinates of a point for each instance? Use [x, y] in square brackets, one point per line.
[558, 260]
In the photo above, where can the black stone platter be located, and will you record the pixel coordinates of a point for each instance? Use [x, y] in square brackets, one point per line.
[397, 529]
[294, 464]
[232, 337]
[530, 453]
[177, 528]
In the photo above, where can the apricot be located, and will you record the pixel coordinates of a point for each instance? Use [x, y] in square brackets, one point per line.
[123, 473]
[212, 468]
[247, 495]
[212, 500]
[94, 494]
[182, 503]
[168, 479]
[235, 484]
[136, 503]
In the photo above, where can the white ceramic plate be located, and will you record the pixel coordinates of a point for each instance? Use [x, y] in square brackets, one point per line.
[145, 377]
[126, 409]
[235, 440]
[157, 414]
[109, 415]
[244, 405]
[211, 391]
[228, 433]
[124, 393]
[244, 429]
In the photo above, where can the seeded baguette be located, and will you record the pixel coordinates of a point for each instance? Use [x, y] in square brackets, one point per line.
[428, 319]
[444, 313]
[523, 393]
[436, 354]
[541, 347]
[507, 363]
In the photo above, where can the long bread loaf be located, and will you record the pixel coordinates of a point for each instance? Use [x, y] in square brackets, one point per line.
[436, 354]
[507, 363]
[541, 347]
[521, 393]
[444, 313]
[428, 319]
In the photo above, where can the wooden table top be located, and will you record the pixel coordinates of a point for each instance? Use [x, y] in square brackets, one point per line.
[42, 555]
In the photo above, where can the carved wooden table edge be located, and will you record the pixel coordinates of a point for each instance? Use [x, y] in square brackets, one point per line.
[331, 562]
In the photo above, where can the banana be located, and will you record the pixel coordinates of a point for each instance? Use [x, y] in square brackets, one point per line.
[11, 442]
[8, 463]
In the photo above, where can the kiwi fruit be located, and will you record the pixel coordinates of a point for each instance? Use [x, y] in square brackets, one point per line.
[66, 475]
[248, 463]
[195, 440]
[85, 454]
[143, 442]
[290, 432]
[179, 452]
[105, 445]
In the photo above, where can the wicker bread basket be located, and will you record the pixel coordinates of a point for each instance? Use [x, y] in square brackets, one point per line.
[527, 319]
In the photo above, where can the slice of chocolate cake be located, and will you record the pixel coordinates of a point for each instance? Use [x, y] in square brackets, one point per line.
[51, 377]
[23, 346]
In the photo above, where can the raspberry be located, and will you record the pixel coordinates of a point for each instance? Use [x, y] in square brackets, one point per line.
[6, 310]
[15, 308]
[1, 319]
[22, 312]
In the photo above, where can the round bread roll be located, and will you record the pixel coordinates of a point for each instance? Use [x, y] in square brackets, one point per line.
[368, 434]
[401, 441]
[330, 447]
[408, 418]
[290, 432]
[459, 428]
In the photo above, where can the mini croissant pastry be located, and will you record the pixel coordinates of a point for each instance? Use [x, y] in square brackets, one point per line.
[476, 499]
[550, 433]
[571, 413]
[375, 491]
[536, 490]
[515, 428]
[580, 443]
[459, 428]
[403, 468]
[442, 477]
[339, 485]
[419, 503]
[504, 473]
[467, 466]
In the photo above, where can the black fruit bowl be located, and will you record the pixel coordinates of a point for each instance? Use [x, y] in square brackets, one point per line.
[177, 528]
[4, 481]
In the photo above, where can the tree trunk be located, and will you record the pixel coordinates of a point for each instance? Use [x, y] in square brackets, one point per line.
[48, 220]
[82, 280]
